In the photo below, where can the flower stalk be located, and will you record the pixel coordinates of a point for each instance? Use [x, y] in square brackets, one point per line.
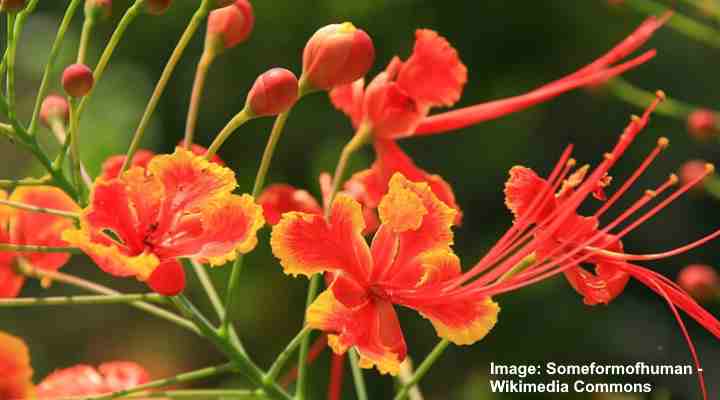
[82, 300]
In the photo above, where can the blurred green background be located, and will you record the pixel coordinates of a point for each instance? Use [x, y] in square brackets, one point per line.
[509, 47]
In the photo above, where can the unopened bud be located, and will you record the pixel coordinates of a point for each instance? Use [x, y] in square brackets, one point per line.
[691, 170]
[230, 26]
[12, 5]
[702, 123]
[273, 92]
[54, 108]
[222, 3]
[336, 55]
[701, 281]
[98, 8]
[77, 80]
[157, 7]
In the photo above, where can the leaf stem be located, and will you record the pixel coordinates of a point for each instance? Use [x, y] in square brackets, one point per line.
[300, 391]
[42, 210]
[283, 357]
[197, 91]
[182, 44]
[82, 300]
[87, 28]
[681, 23]
[11, 52]
[357, 374]
[238, 120]
[638, 97]
[29, 248]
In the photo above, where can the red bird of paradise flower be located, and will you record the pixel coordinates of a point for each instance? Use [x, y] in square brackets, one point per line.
[180, 205]
[396, 103]
[410, 250]
[549, 237]
[23, 227]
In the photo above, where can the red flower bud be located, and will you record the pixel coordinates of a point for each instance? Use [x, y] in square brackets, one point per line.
[12, 5]
[273, 92]
[692, 170]
[157, 7]
[336, 55]
[168, 278]
[701, 281]
[702, 123]
[98, 8]
[77, 80]
[230, 26]
[52, 108]
[223, 3]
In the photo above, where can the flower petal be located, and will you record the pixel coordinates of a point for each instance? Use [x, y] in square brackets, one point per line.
[348, 98]
[27, 227]
[229, 226]
[521, 188]
[111, 166]
[306, 244]
[15, 370]
[434, 74]
[373, 328]
[168, 278]
[462, 322]
[121, 375]
[278, 199]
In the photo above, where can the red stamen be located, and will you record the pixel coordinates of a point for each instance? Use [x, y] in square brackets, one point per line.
[662, 144]
[472, 115]
[337, 369]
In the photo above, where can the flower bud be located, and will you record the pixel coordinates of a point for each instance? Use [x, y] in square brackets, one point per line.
[701, 281]
[54, 108]
[77, 80]
[12, 5]
[273, 92]
[222, 3]
[702, 123]
[168, 278]
[691, 170]
[336, 55]
[230, 26]
[98, 8]
[157, 7]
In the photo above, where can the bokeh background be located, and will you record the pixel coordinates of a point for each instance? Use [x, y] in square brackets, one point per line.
[509, 48]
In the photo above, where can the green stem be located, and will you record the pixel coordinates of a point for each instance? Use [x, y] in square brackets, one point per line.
[189, 32]
[81, 300]
[198, 86]
[42, 210]
[640, 98]
[13, 183]
[277, 129]
[282, 358]
[54, 52]
[422, 369]
[300, 391]
[28, 270]
[213, 296]
[361, 137]
[74, 138]
[244, 364]
[12, 51]
[180, 378]
[129, 16]
[221, 394]
[238, 120]
[358, 378]
[29, 248]
[87, 28]
[681, 23]
[404, 376]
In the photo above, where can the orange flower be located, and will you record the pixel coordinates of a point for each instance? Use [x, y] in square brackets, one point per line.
[30, 228]
[280, 198]
[181, 205]
[84, 380]
[410, 252]
[15, 370]
[111, 166]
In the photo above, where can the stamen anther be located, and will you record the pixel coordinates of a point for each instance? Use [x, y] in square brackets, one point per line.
[661, 95]
[663, 142]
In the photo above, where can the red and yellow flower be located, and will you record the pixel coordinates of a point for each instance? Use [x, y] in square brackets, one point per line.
[410, 252]
[22, 227]
[180, 205]
[85, 380]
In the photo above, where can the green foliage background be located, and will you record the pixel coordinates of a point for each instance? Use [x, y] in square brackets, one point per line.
[509, 47]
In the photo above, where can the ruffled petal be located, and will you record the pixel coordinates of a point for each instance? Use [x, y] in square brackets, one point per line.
[41, 229]
[434, 74]
[110, 216]
[229, 226]
[372, 328]
[428, 269]
[462, 322]
[306, 244]
[121, 375]
[348, 98]
[112, 165]
[521, 189]
[15, 370]
[278, 199]
[391, 111]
